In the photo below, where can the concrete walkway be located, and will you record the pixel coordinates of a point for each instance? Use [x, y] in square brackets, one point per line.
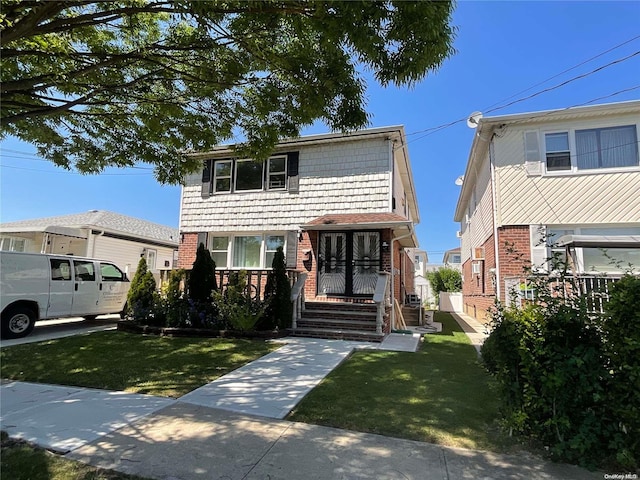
[476, 331]
[244, 436]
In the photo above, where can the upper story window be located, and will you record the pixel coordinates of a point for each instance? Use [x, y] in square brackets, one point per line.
[279, 172]
[590, 149]
[558, 153]
[607, 147]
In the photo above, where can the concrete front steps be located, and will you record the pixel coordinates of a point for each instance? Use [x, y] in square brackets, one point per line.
[339, 321]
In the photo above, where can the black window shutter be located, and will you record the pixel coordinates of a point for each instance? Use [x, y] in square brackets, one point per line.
[291, 255]
[292, 172]
[202, 239]
[206, 178]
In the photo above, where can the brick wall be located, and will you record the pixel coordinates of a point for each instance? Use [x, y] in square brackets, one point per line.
[514, 245]
[479, 290]
[187, 250]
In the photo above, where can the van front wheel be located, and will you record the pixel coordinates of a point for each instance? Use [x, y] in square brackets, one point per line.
[17, 322]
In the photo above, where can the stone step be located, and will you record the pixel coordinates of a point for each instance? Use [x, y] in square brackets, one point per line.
[334, 323]
[337, 334]
[341, 306]
[339, 314]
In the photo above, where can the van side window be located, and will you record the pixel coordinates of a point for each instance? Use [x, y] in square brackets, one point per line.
[111, 273]
[60, 269]
[84, 270]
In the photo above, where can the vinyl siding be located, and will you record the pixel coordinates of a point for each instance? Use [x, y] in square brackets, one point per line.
[480, 228]
[595, 197]
[126, 254]
[349, 177]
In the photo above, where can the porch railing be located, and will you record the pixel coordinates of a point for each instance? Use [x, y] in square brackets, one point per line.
[595, 289]
[381, 298]
[297, 298]
[256, 280]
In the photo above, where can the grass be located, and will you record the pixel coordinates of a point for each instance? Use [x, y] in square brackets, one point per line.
[440, 394]
[23, 461]
[161, 366]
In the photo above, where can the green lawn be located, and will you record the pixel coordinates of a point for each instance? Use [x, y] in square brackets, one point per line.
[162, 366]
[22, 461]
[440, 394]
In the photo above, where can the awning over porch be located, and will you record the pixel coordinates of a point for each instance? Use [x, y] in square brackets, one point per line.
[400, 226]
[599, 241]
[52, 229]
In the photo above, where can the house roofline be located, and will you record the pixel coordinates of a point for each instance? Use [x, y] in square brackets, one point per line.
[487, 126]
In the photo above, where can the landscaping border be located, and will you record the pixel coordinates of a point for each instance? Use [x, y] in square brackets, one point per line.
[130, 327]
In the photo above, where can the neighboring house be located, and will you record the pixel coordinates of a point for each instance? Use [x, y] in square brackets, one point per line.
[534, 177]
[338, 204]
[421, 284]
[453, 259]
[97, 234]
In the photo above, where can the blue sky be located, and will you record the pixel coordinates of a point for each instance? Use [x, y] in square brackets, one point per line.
[506, 51]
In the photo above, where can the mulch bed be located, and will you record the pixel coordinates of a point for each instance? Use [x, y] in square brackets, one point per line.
[130, 327]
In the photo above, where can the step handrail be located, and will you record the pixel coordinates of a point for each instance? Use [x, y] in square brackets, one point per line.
[381, 298]
[297, 298]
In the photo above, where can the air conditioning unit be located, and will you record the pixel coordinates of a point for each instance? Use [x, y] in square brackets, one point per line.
[476, 268]
[478, 253]
[459, 234]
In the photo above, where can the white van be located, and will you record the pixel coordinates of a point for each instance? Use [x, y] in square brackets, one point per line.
[36, 286]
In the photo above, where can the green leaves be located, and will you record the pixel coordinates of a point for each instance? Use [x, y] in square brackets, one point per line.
[97, 84]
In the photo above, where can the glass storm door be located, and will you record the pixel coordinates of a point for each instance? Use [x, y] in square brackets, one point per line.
[332, 263]
[365, 262]
[348, 263]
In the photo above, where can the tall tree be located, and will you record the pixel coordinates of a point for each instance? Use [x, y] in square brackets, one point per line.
[97, 84]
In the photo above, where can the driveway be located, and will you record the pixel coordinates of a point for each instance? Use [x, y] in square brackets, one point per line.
[66, 327]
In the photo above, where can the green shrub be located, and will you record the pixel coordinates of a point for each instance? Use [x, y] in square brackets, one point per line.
[621, 331]
[235, 305]
[202, 279]
[142, 294]
[172, 308]
[548, 360]
[279, 308]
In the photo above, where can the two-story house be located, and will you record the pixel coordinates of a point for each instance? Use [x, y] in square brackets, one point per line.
[532, 178]
[342, 206]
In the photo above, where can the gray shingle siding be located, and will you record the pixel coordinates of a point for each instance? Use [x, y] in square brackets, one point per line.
[348, 177]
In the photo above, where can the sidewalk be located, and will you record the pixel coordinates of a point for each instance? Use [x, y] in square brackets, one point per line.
[186, 439]
[476, 331]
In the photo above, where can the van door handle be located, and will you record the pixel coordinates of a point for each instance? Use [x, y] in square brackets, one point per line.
[100, 287]
[76, 286]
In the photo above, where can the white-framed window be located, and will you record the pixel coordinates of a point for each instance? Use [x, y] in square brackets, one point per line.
[245, 251]
[13, 244]
[277, 173]
[219, 250]
[558, 154]
[151, 258]
[611, 147]
[245, 175]
[271, 244]
[222, 175]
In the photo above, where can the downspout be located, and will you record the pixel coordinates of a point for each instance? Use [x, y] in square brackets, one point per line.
[91, 253]
[495, 216]
[393, 294]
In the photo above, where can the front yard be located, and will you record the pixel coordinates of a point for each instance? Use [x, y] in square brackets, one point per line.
[162, 366]
[440, 394]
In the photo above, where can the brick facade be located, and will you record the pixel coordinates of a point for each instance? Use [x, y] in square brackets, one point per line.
[479, 290]
[514, 250]
[307, 261]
